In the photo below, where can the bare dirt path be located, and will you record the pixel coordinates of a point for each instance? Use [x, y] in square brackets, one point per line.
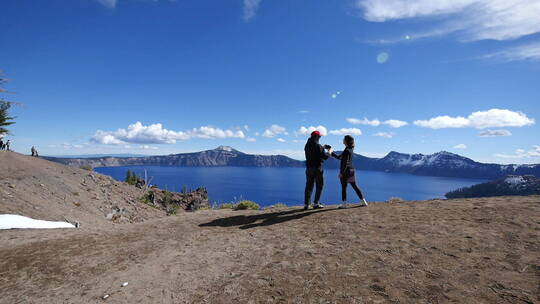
[462, 251]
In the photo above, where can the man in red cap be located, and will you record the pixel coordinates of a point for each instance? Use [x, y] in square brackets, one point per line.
[315, 156]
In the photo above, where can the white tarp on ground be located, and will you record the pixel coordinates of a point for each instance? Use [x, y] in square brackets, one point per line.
[13, 221]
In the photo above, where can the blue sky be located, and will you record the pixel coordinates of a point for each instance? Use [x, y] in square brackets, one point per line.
[160, 77]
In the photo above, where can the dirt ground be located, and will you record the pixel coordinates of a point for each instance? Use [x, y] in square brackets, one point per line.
[456, 251]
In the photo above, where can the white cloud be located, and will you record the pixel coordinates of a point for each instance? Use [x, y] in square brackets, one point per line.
[246, 127]
[441, 122]
[296, 154]
[460, 146]
[473, 19]
[147, 147]
[281, 140]
[68, 146]
[210, 132]
[385, 134]
[346, 131]
[394, 123]
[274, 130]
[365, 121]
[494, 133]
[108, 3]
[155, 134]
[250, 9]
[521, 153]
[303, 111]
[482, 119]
[251, 139]
[307, 131]
[526, 52]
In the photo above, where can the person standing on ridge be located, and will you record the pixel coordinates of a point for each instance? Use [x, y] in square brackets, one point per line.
[347, 172]
[1, 144]
[8, 143]
[315, 156]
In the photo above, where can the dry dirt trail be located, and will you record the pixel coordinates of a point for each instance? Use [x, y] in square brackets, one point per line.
[460, 251]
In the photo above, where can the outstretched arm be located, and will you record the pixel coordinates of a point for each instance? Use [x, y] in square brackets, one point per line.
[334, 154]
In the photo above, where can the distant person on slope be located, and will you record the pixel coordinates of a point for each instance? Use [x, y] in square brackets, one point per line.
[1, 144]
[34, 151]
[347, 171]
[315, 156]
[8, 143]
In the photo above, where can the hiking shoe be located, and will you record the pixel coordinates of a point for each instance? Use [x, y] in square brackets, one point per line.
[343, 206]
[318, 206]
[364, 203]
[306, 207]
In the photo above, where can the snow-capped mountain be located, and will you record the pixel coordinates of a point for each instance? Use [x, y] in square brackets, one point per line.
[510, 185]
[443, 164]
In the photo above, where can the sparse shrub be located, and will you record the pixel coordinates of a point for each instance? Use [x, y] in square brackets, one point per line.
[172, 209]
[86, 167]
[148, 197]
[75, 193]
[170, 206]
[245, 204]
[395, 200]
[226, 206]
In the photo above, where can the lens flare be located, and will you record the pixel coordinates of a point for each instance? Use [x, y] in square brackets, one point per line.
[382, 57]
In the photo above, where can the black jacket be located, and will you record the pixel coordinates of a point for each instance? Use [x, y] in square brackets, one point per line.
[315, 155]
[345, 158]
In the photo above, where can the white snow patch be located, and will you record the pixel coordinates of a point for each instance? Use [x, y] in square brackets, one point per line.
[515, 180]
[13, 221]
[225, 148]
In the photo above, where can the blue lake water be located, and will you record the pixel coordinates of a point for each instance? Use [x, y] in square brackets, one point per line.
[268, 186]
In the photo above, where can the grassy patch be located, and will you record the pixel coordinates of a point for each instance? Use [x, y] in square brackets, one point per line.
[245, 204]
[226, 206]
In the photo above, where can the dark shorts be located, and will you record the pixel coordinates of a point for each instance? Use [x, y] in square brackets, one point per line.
[349, 176]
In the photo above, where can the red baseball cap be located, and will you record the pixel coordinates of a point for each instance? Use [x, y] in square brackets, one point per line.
[316, 133]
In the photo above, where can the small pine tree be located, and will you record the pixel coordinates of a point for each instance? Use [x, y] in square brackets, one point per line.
[128, 176]
[5, 119]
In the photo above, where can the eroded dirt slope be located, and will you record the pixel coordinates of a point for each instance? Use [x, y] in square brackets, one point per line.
[45, 190]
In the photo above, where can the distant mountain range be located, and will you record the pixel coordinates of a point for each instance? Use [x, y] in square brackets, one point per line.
[98, 155]
[510, 185]
[221, 156]
[439, 164]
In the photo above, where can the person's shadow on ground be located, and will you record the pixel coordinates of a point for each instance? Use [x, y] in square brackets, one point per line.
[266, 219]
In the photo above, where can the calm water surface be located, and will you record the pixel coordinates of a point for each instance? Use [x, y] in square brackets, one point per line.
[268, 186]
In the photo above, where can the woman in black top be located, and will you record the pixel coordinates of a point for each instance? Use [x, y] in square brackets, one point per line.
[347, 172]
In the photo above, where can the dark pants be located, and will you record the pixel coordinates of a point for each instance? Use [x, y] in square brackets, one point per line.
[344, 190]
[313, 176]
